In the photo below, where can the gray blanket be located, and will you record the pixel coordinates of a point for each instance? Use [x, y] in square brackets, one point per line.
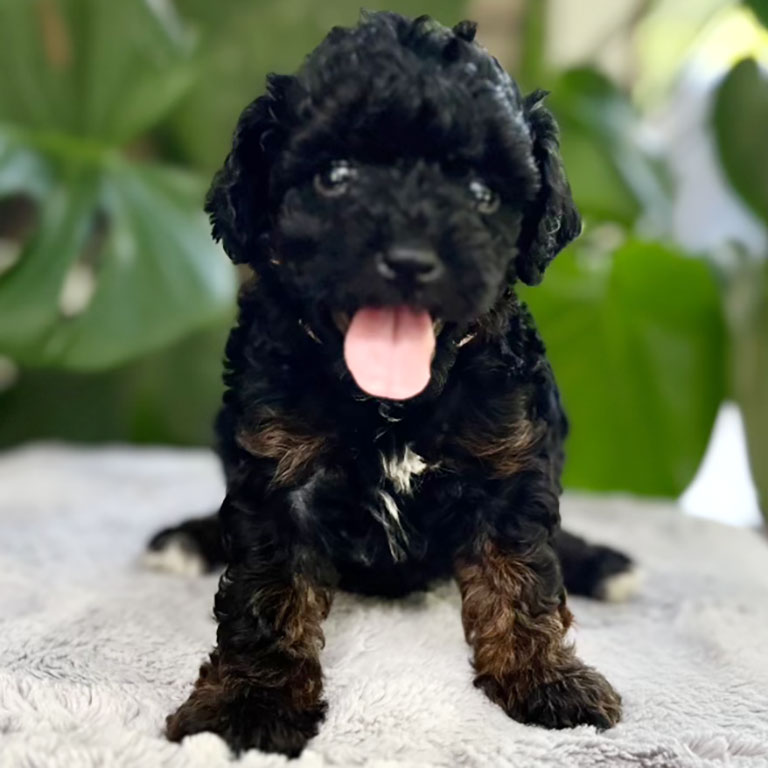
[94, 651]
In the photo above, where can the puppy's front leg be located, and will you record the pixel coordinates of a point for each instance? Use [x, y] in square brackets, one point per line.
[262, 686]
[515, 618]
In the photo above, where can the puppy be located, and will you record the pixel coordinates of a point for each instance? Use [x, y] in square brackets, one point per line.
[390, 417]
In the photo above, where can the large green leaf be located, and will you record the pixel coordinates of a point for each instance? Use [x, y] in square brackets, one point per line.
[108, 70]
[126, 239]
[613, 177]
[637, 345]
[157, 274]
[241, 41]
[741, 127]
[165, 397]
[760, 9]
[747, 312]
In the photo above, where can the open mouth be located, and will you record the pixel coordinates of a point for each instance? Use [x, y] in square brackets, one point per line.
[389, 350]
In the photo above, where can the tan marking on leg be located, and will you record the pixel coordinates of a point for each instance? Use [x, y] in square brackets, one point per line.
[294, 449]
[522, 659]
[498, 597]
[299, 618]
[514, 451]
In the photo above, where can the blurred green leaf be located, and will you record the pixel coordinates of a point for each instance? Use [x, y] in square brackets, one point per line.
[637, 345]
[166, 397]
[120, 260]
[667, 35]
[241, 42]
[747, 313]
[136, 234]
[108, 70]
[760, 9]
[612, 176]
[532, 68]
[741, 127]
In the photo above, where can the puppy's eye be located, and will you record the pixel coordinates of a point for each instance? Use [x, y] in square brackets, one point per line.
[335, 179]
[486, 200]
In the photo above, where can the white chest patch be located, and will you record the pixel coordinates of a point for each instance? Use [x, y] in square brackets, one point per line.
[401, 470]
[388, 515]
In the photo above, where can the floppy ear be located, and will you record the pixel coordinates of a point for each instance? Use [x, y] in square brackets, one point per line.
[239, 201]
[551, 220]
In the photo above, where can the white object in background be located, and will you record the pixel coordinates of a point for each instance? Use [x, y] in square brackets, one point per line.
[723, 489]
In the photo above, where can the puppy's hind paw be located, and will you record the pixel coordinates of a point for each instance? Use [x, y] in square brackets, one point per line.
[609, 575]
[620, 586]
[189, 549]
[173, 551]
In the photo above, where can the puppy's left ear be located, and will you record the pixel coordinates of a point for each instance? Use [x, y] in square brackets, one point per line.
[551, 220]
[239, 201]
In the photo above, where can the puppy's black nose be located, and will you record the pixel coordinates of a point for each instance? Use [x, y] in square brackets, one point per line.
[413, 263]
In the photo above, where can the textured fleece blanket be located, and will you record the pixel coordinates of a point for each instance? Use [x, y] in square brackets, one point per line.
[94, 651]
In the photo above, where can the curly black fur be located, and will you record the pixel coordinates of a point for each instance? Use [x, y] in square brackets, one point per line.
[328, 487]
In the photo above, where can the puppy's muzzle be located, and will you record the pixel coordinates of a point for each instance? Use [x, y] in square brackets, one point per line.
[414, 264]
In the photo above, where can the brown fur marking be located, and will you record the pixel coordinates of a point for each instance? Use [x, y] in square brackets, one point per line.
[509, 454]
[292, 448]
[498, 593]
[522, 659]
[298, 620]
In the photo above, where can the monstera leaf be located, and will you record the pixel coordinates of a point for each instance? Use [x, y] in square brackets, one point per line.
[114, 258]
[636, 341]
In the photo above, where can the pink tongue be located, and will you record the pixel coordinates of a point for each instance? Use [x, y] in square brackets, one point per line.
[389, 351]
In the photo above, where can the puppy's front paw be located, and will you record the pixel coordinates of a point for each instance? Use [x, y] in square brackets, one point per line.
[579, 696]
[582, 696]
[248, 718]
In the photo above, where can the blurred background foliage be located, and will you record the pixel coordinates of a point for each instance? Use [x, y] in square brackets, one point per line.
[114, 303]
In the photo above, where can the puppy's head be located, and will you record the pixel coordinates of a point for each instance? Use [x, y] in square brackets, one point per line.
[394, 187]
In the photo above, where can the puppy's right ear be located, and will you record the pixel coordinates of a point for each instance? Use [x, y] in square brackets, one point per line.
[239, 201]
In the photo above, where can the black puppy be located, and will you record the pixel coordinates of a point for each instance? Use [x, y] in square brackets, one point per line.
[390, 416]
